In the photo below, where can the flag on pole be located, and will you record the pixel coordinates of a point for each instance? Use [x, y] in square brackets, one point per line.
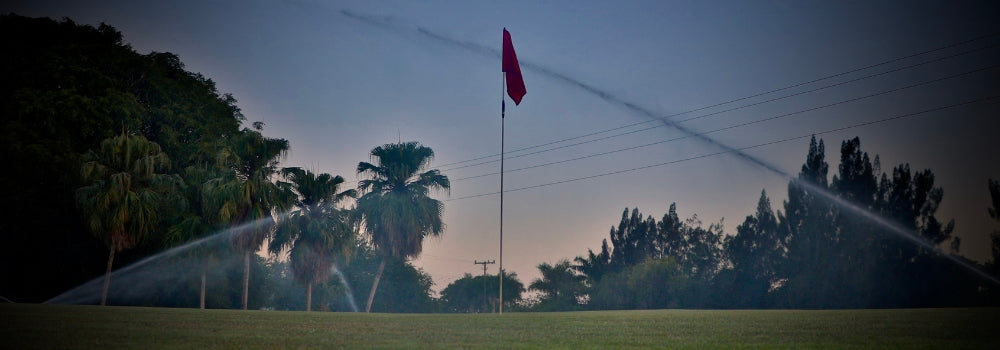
[515, 83]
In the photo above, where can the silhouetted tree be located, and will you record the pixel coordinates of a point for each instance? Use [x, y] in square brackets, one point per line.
[395, 209]
[652, 284]
[669, 238]
[65, 88]
[855, 183]
[839, 257]
[594, 266]
[247, 194]
[634, 240]
[754, 252]
[911, 201]
[993, 266]
[122, 198]
[560, 286]
[700, 252]
[404, 288]
[316, 230]
[194, 221]
[807, 223]
[614, 278]
[466, 294]
[994, 211]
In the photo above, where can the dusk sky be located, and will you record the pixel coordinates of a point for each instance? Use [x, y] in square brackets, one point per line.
[336, 86]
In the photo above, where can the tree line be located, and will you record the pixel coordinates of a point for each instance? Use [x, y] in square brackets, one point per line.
[127, 155]
[814, 252]
[117, 156]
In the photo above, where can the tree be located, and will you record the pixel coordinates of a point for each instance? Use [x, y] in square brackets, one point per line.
[466, 294]
[65, 88]
[194, 221]
[316, 230]
[994, 211]
[634, 240]
[913, 201]
[837, 258]
[404, 287]
[246, 194]
[993, 266]
[656, 284]
[121, 202]
[808, 226]
[855, 183]
[670, 235]
[910, 274]
[754, 252]
[681, 254]
[395, 209]
[594, 266]
[560, 286]
[697, 250]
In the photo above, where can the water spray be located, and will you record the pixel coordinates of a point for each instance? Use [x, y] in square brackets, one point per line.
[89, 292]
[81, 294]
[347, 286]
[895, 228]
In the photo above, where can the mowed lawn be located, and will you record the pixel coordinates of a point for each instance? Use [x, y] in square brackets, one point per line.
[58, 326]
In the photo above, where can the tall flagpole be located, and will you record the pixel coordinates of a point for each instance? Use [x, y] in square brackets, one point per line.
[503, 111]
[508, 64]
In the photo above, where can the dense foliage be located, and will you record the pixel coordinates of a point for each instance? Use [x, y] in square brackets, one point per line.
[395, 209]
[822, 251]
[68, 92]
[63, 89]
[479, 294]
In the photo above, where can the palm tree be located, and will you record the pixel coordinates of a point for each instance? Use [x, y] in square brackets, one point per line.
[395, 209]
[121, 199]
[246, 195]
[316, 230]
[560, 285]
[195, 222]
[594, 266]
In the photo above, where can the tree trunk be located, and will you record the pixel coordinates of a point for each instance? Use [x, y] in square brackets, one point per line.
[378, 276]
[203, 273]
[246, 278]
[107, 277]
[309, 297]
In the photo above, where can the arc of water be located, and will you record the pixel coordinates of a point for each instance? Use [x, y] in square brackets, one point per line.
[347, 287]
[476, 48]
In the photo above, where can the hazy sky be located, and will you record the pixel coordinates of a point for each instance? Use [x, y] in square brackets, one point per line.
[336, 87]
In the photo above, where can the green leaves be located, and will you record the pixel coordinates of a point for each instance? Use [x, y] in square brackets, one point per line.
[123, 195]
[561, 287]
[317, 231]
[395, 208]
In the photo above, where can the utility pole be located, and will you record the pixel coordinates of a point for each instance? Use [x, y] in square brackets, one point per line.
[485, 299]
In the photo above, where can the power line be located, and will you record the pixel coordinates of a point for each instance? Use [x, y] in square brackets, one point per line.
[705, 115]
[762, 93]
[734, 150]
[785, 115]
[557, 148]
[843, 83]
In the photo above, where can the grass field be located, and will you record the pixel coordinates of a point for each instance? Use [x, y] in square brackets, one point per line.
[58, 326]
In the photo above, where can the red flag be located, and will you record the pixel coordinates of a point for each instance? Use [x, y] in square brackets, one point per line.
[515, 83]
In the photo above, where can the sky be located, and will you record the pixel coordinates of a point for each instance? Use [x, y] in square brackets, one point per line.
[338, 78]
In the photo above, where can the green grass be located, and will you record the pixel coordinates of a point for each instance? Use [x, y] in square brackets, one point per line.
[59, 326]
